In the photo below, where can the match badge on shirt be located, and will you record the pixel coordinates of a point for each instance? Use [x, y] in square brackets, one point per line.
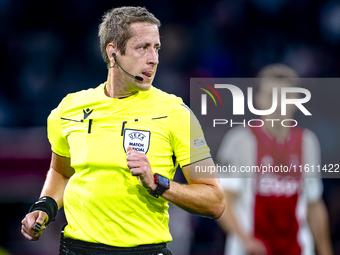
[139, 140]
[199, 142]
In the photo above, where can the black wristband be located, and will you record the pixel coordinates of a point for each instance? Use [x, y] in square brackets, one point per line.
[47, 205]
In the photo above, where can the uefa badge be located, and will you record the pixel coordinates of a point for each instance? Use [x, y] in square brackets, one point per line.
[139, 140]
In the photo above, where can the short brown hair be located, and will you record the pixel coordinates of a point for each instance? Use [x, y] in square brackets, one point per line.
[279, 71]
[115, 27]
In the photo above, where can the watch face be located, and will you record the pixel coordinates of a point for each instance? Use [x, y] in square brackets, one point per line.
[163, 180]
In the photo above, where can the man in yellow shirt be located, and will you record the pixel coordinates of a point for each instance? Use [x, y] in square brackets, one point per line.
[115, 149]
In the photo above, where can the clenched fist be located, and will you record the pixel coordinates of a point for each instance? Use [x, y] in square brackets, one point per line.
[139, 166]
[28, 222]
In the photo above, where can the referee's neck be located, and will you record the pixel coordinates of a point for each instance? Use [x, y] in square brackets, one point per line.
[118, 88]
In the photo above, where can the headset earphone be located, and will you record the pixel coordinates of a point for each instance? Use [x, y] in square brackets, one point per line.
[113, 54]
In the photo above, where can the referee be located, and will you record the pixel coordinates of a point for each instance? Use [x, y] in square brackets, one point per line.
[115, 149]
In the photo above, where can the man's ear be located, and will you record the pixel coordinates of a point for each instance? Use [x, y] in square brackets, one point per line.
[111, 51]
[110, 48]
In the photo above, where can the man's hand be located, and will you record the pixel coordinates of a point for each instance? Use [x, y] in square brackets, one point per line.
[27, 228]
[254, 246]
[139, 166]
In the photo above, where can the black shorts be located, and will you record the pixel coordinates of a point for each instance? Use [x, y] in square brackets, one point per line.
[76, 247]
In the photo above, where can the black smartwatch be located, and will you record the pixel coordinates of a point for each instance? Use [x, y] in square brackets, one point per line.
[163, 184]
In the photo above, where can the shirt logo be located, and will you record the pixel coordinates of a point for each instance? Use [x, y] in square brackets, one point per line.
[279, 187]
[139, 140]
[87, 112]
[199, 142]
[137, 135]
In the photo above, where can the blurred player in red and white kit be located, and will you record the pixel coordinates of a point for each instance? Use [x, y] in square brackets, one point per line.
[284, 214]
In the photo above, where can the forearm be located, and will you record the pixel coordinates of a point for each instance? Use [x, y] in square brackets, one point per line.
[199, 199]
[228, 221]
[202, 196]
[54, 186]
[319, 225]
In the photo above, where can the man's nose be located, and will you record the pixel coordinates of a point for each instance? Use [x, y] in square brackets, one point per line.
[153, 57]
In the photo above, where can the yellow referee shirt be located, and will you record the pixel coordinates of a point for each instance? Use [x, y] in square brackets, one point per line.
[103, 202]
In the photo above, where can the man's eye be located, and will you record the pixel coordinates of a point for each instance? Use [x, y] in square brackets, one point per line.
[143, 47]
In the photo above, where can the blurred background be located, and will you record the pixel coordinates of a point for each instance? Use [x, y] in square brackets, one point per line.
[50, 48]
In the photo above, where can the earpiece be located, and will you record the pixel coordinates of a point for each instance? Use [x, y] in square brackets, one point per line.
[113, 54]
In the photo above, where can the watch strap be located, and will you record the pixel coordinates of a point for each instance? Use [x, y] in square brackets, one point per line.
[160, 188]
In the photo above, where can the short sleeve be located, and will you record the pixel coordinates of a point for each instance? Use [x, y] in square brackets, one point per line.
[186, 135]
[238, 148]
[230, 150]
[58, 142]
[226, 155]
[314, 188]
[312, 157]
